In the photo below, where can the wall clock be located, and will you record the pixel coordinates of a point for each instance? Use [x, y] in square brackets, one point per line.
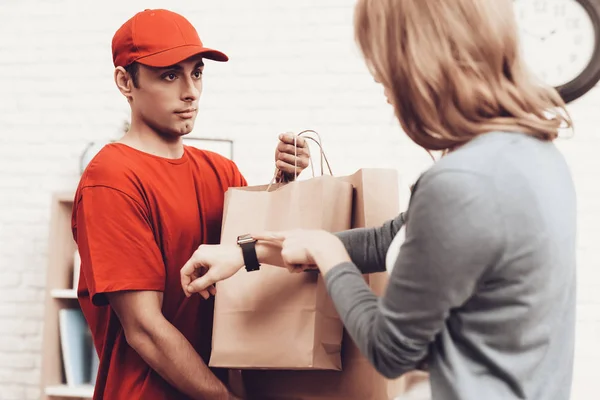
[560, 41]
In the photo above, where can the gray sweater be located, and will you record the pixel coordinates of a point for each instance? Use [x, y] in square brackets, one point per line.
[483, 289]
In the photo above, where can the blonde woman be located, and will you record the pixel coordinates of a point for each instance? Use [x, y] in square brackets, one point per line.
[483, 287]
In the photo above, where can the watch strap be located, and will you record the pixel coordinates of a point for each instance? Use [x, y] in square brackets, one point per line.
[249, 254]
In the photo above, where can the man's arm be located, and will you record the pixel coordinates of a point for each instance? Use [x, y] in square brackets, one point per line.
[368, 247]
[126, 239]
[163, 347]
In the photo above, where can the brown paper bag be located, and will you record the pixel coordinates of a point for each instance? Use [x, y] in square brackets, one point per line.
[271, 318]
[376, 200]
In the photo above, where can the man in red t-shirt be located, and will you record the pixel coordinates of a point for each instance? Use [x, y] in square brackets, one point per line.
[143, 206]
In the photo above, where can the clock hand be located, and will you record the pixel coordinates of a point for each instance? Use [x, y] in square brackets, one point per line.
[544, 38]
[525, 31]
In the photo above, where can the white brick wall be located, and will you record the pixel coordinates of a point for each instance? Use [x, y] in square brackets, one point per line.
[293, 66]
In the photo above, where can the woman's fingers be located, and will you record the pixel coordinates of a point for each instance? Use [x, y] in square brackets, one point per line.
[273, 237]
[295, 255]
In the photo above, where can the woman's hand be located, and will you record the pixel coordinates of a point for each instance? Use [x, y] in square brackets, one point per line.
[307, 249]
[208, 265]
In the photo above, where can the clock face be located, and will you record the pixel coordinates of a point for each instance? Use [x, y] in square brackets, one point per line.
[557, 38]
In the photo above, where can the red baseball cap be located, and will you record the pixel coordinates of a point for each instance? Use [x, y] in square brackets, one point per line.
[158, 38]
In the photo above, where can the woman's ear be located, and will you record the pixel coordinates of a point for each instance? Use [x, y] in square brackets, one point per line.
[124, 82]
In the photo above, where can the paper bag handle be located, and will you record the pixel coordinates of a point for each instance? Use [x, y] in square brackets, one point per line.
[321, 152]
[323, 157]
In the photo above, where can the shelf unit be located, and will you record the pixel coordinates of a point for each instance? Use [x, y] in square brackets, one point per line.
[69, 392]
[59, 295]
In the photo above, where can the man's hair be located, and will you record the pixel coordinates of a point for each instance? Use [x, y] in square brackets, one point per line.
[133, 70]
[454, 70]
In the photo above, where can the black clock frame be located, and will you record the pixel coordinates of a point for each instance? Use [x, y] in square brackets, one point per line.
[591, 75]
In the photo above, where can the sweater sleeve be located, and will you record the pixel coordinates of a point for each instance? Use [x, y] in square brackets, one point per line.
[453, 234]
[368, 247]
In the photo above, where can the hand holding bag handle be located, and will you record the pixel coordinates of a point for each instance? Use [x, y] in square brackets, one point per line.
[278, 176]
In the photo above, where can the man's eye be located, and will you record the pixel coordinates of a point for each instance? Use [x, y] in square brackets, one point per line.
[198, 74]
[170, 77]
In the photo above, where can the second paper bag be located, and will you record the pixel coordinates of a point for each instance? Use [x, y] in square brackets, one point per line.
[376, 200]
[271, 318]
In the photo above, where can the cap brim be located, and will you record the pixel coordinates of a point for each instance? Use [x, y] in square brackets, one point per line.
[178, 54]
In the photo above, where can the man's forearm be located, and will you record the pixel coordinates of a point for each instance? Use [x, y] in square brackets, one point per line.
[170, 354]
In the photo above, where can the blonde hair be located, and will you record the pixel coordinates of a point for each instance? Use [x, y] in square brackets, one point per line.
[453, 70]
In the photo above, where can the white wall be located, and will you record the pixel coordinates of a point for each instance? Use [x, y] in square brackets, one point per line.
[293, 66]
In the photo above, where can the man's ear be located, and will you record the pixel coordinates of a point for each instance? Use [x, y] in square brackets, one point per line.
[124, 82]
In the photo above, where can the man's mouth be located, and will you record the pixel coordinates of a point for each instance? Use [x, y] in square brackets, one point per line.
[187, 113]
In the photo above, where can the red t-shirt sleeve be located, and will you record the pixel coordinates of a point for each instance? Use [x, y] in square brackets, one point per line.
[238, 178]
[116, 243]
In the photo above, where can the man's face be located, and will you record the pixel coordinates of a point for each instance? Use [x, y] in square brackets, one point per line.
[166, 99]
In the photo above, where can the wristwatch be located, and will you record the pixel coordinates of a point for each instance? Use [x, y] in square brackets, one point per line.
[248, 245]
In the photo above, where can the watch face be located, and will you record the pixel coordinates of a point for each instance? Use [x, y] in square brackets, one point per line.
[557, 38]
[244, 239]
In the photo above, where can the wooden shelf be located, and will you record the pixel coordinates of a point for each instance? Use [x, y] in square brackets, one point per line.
[60, 295]
[63, 293]
[65, 197]
[80, 392]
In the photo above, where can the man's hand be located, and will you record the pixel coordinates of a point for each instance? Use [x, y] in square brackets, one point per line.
[289, 160]
[208, 265]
